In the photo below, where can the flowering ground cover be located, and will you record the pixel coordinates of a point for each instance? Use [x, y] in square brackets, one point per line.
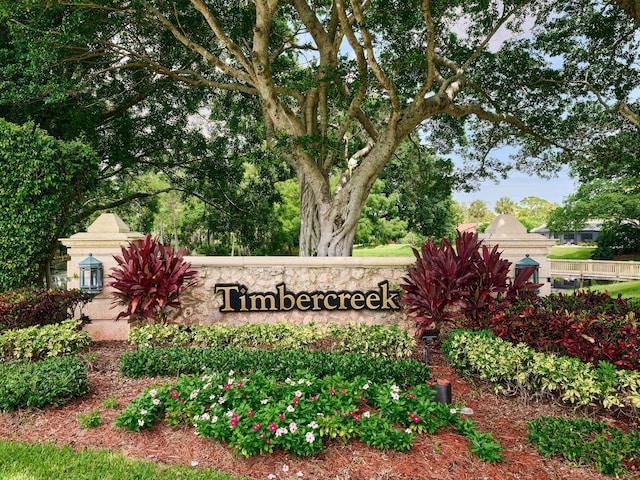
[443, 455]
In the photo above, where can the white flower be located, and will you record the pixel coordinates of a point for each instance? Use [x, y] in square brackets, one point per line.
[408, 430]
[221, 400]
[153, 392]
[271, 476]
[310, 437]
[395, 388]
[231, 373]
[229, 413]
[212, 397]
[265, 401]
[395, 396]
[205, 416]
[196, 418]
[214, 419]
[299, 474]
[281, 431]
[156, 401]
[293, 427]
[141, 422]
[143, 412]
[194, 463]
[365, 386]
[298, 393]
[366, 414]
[313, 425]
[308, 383]
[194, 394]
[453, 411]
[290, 409]
[301, 381]
[285, 468]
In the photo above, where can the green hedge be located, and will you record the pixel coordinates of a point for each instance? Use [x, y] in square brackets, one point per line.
[362, 338]
[52, 381]
[284, 363]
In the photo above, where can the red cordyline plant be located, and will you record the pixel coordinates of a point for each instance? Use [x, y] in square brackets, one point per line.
[148, 280]
[462, 282]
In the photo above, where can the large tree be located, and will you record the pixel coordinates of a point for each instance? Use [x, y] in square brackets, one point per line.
[342, 83]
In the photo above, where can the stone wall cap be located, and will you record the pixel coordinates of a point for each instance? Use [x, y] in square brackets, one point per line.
[506, 224]
[108, 223]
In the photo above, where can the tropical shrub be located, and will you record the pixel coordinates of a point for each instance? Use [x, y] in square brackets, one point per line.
[257, 413]
[586, 442]
[28, 307]
[52, 381]
[589, 325]
[190, 360]
[513, 369]
[458, 283]
[148, 280]
[36, 343]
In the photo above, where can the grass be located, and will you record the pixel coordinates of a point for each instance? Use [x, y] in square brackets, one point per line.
[570, 253]
[21, 461]
[626, 289]
[391, 250]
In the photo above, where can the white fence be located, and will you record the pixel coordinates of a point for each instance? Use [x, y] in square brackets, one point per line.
[596, 269]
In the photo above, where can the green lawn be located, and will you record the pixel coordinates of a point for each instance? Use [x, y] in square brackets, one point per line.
[570, 253]
[392, 250]
[627, 289]
[20, 461]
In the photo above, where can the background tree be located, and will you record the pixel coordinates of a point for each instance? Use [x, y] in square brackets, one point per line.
[506, 206]
[42, 180]
[478, 212]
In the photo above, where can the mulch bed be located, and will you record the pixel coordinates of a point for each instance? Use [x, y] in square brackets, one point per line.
[442, 456]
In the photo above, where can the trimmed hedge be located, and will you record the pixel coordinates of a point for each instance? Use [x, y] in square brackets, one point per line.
[52, 381]
[192, 360]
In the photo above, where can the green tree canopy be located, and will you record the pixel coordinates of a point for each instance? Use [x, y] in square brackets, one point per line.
[42, 180]
[339, 85]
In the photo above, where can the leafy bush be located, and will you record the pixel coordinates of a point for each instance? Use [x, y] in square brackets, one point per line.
[35, 343]
[190, 360]
[28, 307]
[148, 280]
[461, 282]
[584, 442]
[590, 325]
[91, 419]
[257, 413]
[51, 381]
[518, 368]
[367, 339]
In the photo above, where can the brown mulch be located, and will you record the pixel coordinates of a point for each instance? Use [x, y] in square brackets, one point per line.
[443, 456]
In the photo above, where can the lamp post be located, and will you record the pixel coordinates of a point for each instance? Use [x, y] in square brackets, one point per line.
[91, 275]
[529, 262]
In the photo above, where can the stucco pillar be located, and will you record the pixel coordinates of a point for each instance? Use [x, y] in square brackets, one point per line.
[514, 242]
[103, 239]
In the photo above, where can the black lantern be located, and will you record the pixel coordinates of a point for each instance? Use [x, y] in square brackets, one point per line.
[529, 262]
[91, 275]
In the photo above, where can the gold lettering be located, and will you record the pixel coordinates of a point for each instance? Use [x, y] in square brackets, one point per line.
[261, 302]
[327, 305]
[303, 297]
[357, 300]
[372, 300]
[388, 301]
[286, 300]
[226, 296]
[343, 296]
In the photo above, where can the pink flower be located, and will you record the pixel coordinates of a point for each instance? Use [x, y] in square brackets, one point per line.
[313, 399]
[281, 416]
[411, 395]
[256, 427]
[250, 413]
[430, 383]
[238, 385]
[342, 392]
[226, 386]
[272, 427]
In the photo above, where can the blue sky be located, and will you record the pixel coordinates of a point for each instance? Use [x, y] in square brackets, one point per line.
[519, 186]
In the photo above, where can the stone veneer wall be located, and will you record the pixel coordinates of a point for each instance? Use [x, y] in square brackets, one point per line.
[200, 304]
